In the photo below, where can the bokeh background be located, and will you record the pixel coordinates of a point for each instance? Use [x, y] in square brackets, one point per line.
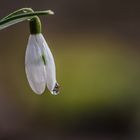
[96, 48]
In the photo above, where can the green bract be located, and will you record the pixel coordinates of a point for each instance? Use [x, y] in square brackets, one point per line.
[21, 15]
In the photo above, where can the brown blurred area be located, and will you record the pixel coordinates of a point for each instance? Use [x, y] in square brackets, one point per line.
[96, 46]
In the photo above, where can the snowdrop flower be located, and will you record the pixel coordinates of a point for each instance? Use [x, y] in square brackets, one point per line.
[39, 61]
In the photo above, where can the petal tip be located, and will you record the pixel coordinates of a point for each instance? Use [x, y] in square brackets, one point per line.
[38, 92]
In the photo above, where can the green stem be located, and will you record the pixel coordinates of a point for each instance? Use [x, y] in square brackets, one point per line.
[25, 15]
[35, 25]
[20, 11]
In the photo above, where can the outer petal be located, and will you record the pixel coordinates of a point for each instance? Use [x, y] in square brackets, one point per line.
[34, 66]
[50, 66]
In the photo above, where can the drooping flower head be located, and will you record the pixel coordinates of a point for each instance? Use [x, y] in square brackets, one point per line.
[39, 62]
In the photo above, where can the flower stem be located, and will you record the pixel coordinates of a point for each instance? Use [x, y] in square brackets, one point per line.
[27, 15]
[35, 25]
[20, 11]
[21, 15]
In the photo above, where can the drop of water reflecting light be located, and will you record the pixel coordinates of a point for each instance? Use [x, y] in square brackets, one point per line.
[55, 91]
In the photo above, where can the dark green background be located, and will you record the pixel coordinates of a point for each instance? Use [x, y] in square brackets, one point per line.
[96, 48]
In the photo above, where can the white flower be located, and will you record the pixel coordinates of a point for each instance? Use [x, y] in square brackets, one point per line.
[40, 66]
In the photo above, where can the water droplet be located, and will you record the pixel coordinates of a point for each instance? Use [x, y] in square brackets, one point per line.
[55, 91]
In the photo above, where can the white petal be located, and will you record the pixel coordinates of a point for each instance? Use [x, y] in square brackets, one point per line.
[50, 66]
[34, 66]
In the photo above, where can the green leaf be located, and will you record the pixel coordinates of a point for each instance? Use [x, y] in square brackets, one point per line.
[17, 12]
[19, 16]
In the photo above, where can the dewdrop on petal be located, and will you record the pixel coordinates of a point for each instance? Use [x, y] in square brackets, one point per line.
[39, 62]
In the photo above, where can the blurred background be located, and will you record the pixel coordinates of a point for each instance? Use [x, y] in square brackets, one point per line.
[96, 45]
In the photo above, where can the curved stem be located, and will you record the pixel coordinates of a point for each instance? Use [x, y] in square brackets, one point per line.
[20, 11]
[25, 15]
[35, 25]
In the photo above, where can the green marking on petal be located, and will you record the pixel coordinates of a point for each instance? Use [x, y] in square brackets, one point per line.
[44, 60]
